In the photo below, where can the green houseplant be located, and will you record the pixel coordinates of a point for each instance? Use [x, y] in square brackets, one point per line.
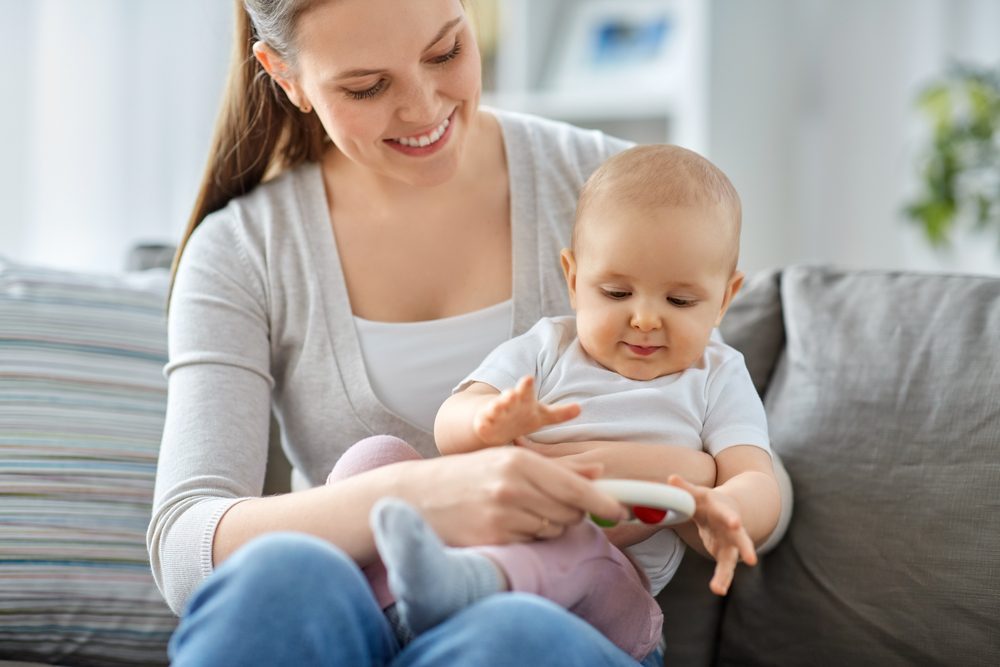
[960, 171]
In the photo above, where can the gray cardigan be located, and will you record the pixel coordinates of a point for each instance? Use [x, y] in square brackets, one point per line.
[260, 320]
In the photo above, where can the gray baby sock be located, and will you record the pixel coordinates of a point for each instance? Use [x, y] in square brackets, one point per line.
[430, 581]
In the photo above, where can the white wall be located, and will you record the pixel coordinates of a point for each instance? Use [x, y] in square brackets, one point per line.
[108, 107]
[13, 121]
[812, 117]
[107, 129]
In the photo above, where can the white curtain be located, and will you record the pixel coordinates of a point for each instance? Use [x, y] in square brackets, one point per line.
[106, 114]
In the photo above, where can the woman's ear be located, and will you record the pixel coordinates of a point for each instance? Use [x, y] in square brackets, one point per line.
[568, 262]
[279, 71]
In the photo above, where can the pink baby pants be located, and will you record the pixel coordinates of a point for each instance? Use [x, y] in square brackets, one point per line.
[579, 570]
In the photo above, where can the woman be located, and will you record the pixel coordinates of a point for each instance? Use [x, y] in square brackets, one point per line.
[357, 194]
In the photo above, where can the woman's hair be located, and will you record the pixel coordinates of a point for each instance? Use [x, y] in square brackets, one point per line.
[259, 132]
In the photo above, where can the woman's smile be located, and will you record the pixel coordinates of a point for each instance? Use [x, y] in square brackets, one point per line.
[426, 143]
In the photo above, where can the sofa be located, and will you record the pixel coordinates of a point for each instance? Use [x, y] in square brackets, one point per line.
[882, 392]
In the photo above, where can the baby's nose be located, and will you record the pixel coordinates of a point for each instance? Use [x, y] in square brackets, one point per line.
[646, 320]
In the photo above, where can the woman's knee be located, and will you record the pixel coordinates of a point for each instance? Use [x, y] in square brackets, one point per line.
[514, 628]
[311, 597]
[537, 623]
[370, 453]
[291, 565]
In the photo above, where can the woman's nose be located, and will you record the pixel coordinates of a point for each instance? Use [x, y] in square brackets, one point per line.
[418, 105]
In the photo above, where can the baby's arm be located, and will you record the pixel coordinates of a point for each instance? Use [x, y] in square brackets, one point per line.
[634, 460]
[480, 416]
[736, 515]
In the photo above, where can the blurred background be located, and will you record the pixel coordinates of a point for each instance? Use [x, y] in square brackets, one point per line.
[860, 133]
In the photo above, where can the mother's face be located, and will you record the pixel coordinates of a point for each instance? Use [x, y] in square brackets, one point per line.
[396, 83]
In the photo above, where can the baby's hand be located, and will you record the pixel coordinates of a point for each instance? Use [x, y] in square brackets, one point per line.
[517, 412]
[721, 530]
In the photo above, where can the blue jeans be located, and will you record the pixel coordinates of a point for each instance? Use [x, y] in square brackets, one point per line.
[292, 599]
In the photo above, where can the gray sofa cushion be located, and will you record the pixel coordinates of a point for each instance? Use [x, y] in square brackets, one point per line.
[885, 408]
[82, 400]
[754, 325]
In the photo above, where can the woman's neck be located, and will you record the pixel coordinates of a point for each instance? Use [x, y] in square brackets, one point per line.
[389, 236]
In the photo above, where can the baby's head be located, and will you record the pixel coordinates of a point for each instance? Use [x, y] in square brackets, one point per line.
[652, 269]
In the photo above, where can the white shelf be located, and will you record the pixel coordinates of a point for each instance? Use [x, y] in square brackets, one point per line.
[665, 99]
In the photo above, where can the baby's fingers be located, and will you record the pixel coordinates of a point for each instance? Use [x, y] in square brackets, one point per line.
[524, 389]
[729, 530]
[681, 483]
[725, 567]
[555, 414]
[745, 545]
[588, 470]
[699, 492]
[504, 401]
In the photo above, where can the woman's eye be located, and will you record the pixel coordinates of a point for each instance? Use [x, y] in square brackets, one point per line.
[368, 93]
[451, 55]
[616, 294]
[679, 302]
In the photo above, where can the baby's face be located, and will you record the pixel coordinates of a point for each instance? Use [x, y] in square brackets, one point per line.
[648, 287]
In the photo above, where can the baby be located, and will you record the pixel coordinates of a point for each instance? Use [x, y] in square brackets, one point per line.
[651, 273]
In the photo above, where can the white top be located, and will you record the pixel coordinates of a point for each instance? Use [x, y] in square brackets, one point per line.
[712, 405]
[412, 366]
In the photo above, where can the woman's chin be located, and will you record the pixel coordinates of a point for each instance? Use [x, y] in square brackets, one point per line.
[431, 175]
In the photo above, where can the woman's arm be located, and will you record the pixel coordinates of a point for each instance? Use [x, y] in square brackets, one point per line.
[494, 496]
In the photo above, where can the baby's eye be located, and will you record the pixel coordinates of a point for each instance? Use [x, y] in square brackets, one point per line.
[680, 302]
[616, 294]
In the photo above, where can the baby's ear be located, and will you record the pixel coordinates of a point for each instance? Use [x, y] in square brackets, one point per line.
[568, 261]
[732, 287]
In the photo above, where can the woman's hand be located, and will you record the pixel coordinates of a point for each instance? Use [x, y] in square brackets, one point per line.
[721, 530]
[516, 412]
[504, 494]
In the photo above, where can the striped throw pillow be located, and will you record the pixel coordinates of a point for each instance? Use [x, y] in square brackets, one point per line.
[82, 400]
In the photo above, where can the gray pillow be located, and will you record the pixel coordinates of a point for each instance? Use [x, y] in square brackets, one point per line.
[885, 408]
[82, 401]
[754, 326]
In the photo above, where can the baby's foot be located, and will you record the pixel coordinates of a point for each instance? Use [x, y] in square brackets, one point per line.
[430, 581]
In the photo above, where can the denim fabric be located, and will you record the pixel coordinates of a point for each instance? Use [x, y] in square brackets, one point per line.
[292, 599]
